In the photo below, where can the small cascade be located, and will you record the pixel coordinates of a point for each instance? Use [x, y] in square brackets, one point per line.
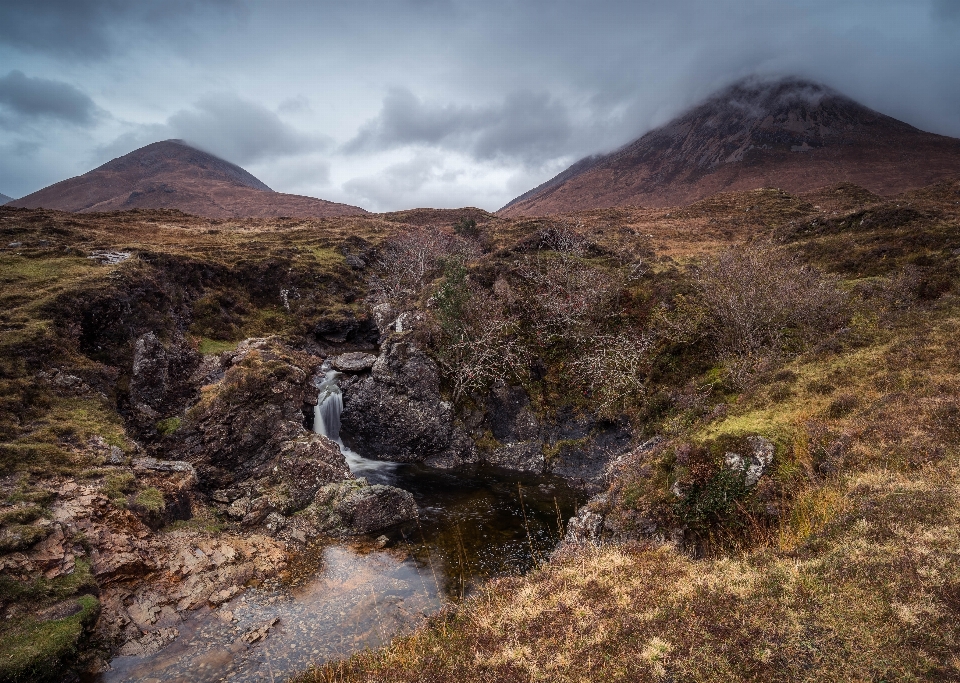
[326, 421]
[326, 414]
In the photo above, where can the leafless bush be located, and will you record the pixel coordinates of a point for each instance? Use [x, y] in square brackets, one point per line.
[615, 368]
[406, 263]
[482, 348]
[761, 301]
[564, 294]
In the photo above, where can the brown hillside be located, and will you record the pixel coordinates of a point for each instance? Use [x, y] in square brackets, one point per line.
[790, 134]
[174, 175]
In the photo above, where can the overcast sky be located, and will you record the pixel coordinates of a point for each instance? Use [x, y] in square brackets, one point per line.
[444, 103]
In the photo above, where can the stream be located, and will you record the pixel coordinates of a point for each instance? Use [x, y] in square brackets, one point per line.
[346, 596]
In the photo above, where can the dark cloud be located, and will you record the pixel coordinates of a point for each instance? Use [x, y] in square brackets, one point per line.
[231, 127]
[239, 130]
[526, 126]
[91, 29]
[30, 98]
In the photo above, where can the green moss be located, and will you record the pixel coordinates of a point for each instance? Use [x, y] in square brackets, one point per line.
[117, 485]
[151, 499]
[168, 426]
[215, 346]
[39, 650]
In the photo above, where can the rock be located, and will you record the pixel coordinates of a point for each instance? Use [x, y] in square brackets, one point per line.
[509, 414]
[354, 362]
[148, 382]
[274, 522]
[755, 464]
[383, 317]
[355, 262]
[355, 507]
[397, 413]
[383, 541]
[149, 644]
[585, 528]
[523, 457]
[259, 633]
[248, 434]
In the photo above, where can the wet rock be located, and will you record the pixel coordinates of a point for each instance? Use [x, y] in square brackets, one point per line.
[355, 507]
[523, 457]
[397, 413]
[259, 633]
[149, 643]
[354, 361]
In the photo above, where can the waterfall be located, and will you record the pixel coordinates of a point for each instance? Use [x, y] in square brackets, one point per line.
[326, 421]
[326, 414]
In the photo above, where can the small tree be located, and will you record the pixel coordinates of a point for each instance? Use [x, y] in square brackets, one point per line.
[615, 367]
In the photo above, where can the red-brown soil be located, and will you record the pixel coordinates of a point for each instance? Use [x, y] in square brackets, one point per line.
[173, 175]
[790, 134]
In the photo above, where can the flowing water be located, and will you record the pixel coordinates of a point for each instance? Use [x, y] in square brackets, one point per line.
[345, 597]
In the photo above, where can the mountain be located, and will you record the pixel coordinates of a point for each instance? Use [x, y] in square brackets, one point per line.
[4, 199]
[174, 175]
[789, 133]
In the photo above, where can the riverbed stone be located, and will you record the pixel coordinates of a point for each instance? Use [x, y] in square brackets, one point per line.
[356, 507]
[355, 361]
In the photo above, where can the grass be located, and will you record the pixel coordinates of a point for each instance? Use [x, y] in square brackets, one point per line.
[151, 499]
[38, 650]
[209, 346]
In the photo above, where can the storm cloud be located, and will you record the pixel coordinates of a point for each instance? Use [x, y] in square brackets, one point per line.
[30, 98]
[416, 102]
[94, 29]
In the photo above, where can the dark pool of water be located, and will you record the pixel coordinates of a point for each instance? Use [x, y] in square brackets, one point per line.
[473, 525]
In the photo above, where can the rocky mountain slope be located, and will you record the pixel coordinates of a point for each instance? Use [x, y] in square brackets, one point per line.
[173, 175]
[4, 198]
[790, 134]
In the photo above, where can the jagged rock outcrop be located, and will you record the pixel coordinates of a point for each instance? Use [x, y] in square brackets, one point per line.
[246, 437]
[397, 412]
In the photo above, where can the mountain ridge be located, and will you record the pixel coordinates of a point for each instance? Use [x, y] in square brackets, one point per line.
[172, 174]
[788, 133]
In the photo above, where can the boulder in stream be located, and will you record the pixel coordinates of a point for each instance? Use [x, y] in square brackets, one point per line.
[356, 507]
[397, 412]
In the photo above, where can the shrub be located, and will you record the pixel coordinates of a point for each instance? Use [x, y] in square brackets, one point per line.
[615, 368]
[761, 302]
[406, 263]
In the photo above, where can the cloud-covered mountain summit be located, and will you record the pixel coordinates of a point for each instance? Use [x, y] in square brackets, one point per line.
[788, 133]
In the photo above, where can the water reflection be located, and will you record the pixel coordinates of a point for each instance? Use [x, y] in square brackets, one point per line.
[354, 601]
